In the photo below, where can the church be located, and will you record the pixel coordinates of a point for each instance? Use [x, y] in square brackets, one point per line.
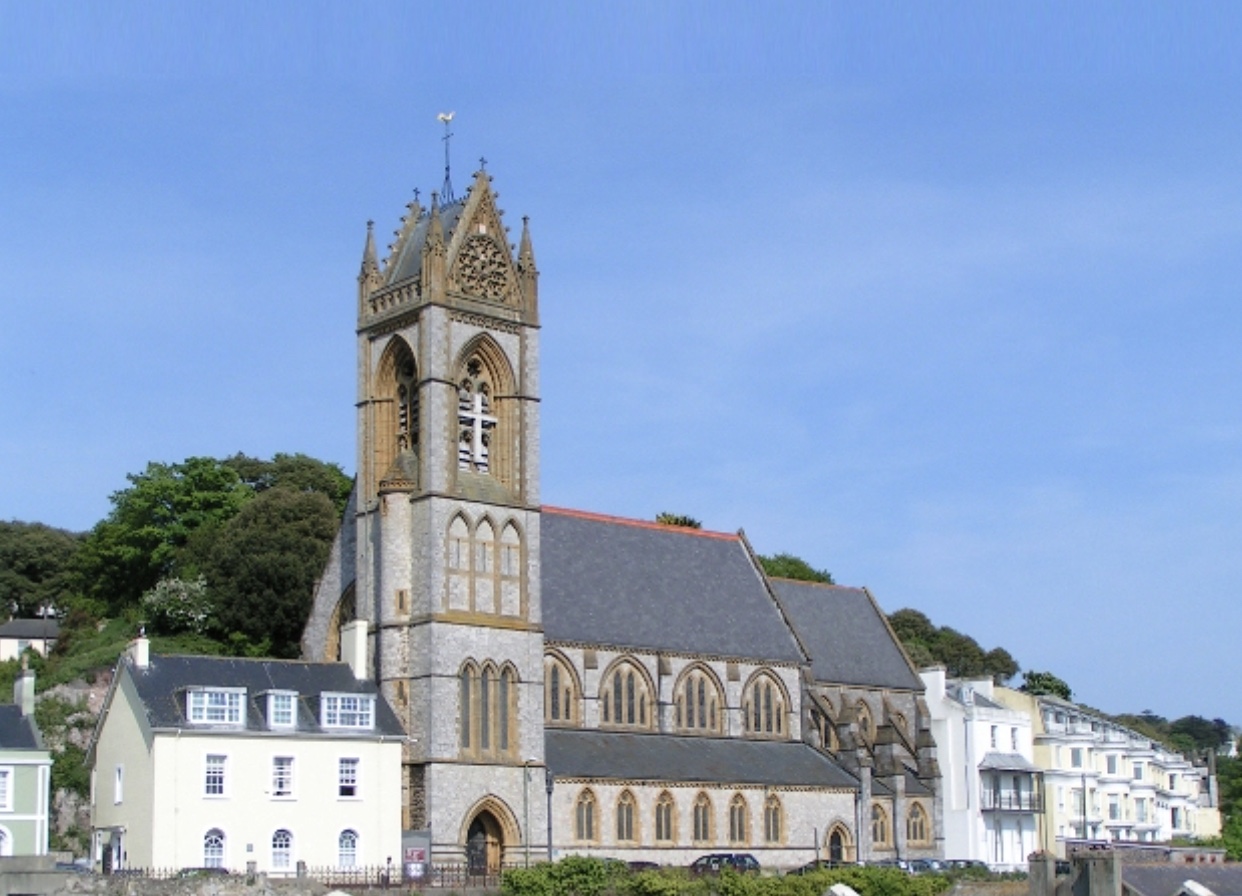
[576, 683]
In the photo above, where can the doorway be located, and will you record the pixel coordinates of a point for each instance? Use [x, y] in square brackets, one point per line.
[484, 845]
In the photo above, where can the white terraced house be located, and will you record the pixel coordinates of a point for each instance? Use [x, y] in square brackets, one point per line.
[244, 764]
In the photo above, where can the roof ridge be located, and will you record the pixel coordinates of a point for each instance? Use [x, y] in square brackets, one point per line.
[637, 524]
[835, 585]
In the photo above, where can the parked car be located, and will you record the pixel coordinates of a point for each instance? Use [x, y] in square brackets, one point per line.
[643, 866]
[819, 865]
[965, 864]
[923, 866]
[900, 864]
[714, 863]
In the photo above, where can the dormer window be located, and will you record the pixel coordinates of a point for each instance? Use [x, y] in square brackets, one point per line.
[281, 712]
[347, 711]
[216, 706]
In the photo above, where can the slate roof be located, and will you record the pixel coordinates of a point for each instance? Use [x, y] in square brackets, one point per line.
[635, 584]
[162, 685]
[589, 753]
[1006, 762]
[410, 261]
[846, 635]
[31, 629]
[16, 731]
[1167, 879]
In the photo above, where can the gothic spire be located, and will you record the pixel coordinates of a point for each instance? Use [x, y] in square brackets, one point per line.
[435, 227]
[526, 253]
[370, 264]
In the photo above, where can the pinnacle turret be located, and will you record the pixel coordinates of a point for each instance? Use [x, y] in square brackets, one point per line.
[370, 263]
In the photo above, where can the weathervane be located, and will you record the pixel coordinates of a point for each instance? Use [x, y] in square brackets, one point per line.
[446, 193]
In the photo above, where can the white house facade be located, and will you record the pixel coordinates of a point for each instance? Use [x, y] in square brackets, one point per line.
[244, 764]
[992, 789]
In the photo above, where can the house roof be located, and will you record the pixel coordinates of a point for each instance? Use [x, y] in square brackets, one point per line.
[612, 755]
[637, 584]
[1006, 762]
[17, 732]
[30, 629]
[846, 634]
[163, 683]
[1167, 879]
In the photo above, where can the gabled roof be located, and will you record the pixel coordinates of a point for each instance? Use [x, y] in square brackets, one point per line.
[30, 629]
[1167, 879]
[722, 761]
[409, 262]
[628, 583]
[163, 683]
[846, 634]
[17, 732]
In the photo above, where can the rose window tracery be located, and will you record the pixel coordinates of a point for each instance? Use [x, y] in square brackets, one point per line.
[483, 268]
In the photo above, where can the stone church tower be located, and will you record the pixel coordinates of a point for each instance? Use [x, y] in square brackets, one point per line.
[444, 556]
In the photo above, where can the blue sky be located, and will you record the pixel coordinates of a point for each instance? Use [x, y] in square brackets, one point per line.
[941, 297]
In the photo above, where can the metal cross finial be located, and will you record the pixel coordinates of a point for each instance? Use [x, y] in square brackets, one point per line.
[482, 163]
[446, 194]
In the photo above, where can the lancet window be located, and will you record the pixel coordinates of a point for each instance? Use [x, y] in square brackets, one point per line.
[560, 691]
[476, 421]
[698, 702]
[738, 818]
[488, 710]
[625, 698]
[763, 706]
[666, 818]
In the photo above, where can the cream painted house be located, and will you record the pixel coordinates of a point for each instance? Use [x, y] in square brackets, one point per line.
[1105, 782]
[245, 764]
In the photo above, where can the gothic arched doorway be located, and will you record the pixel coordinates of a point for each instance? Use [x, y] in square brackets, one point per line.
[840, 848]
[484, 844]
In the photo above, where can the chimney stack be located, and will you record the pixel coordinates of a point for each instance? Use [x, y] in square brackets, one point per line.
[140, 650]
[354, 648]
[24, 689]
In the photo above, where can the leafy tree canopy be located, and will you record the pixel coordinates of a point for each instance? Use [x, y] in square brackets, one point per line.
[787, 566]
[929, 644]
[34, 567]
[1038, 683]
[261, 569]
[138, 543]
[678, 519]
[296, 472]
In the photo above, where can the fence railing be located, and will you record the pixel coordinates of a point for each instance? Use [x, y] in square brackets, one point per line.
[434, 876]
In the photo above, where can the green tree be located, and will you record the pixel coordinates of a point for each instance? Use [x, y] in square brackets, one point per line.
[1202, 734]
[35, 564]
[960, 654]
[1039, 683]
[296, 472]
[262, 567]
[678, 519]
[138, 543]
[787, 566]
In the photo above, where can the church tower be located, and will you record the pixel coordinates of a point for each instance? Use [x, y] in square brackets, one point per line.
[445, 551]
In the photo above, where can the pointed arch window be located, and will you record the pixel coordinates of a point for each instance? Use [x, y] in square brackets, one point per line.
[476, 421]
[666, 817]
[584, 817]
[489, 710]
[626, 808]
[763, 706]
[698, 702]
[738, 818]
[916, 824]
[625, 697]
[773, 820]
[560, 691]
[702, 818]
[879, 825]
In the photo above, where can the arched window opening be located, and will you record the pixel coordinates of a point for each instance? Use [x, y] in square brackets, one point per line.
[488, 710]
[763, 706]
[697, 700]
[347, 849]
[839, 846]
[702, 818]
[866, 726]
[213, 849]
[916, 824]
[282, 850]
[737, 820]
[624, 696]
[485, 711]
[584, 817]
[560, 692]
[625, 818]
[666, 813]
[475, 419]
[879, 825]
[502, 705]
[772, 820]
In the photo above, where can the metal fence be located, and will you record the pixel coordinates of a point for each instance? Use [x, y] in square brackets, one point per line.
[370, 877]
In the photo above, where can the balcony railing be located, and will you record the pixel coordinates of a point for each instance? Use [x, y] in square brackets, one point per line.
[1012, 801]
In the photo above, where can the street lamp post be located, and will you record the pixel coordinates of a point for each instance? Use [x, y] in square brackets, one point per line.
[526, 807]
